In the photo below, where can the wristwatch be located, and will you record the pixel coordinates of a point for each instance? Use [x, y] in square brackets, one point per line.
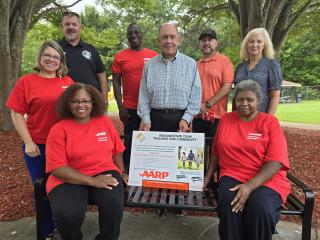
[208, 105]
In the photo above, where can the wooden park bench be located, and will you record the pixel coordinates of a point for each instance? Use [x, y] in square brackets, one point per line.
[299, 203]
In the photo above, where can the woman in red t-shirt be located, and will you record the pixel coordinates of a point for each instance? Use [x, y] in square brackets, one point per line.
[251, 151]
[84, 160]
[34, 96]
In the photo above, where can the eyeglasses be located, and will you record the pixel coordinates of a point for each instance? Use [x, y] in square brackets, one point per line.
[48, 57]
[85, 102]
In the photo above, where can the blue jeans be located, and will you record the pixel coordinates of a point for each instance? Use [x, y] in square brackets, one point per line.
[37, 168]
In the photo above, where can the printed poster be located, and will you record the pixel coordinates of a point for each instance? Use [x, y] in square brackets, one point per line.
[173, 160]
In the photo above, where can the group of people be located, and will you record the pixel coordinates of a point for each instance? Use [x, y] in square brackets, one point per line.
[68, 138]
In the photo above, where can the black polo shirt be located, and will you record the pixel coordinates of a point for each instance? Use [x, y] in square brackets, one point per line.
[83, 62]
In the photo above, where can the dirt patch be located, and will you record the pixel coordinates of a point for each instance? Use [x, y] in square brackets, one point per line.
[16, 191]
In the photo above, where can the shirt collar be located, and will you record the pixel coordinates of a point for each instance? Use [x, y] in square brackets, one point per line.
[65, 43]
[212, 58]
[177, 56]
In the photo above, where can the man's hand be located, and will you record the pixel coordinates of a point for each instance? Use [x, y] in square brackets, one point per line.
[239, 201]
[104, 181]
[144, 126]
[183, 126]
[124, 115]
[203, 108]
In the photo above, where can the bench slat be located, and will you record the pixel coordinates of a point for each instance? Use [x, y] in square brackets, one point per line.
[199, 198]
[172, 198]
[181, 197]
[163, 197]
[137, 195]
[155, 193]
[146, 193]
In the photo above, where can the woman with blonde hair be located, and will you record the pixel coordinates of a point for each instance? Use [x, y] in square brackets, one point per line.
[259, 64]
[35, 96]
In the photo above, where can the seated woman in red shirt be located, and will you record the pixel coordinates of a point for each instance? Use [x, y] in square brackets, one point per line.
[84, 160]
[251, 151]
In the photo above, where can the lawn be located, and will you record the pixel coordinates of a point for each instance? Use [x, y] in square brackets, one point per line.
[112, 107]
[304, 112]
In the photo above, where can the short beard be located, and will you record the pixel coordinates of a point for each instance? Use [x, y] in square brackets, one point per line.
[70, 38]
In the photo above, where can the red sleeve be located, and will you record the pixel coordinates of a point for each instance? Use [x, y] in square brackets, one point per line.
[17, 100]
[277, 149]
[118, 146]
[56, 155]
[116, 67]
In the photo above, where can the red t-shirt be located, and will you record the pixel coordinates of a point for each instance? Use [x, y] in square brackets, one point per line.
[88, 148]
[214, 72]
[244, 147]
[36, 96]
[129, 63]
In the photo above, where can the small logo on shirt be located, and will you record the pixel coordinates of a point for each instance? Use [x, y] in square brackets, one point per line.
[86, 54]
[254, 136]
[101, 136]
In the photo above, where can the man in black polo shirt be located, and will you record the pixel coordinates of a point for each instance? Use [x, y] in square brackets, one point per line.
[83, 60]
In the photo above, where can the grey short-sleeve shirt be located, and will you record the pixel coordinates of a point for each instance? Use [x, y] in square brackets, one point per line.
[267, 73]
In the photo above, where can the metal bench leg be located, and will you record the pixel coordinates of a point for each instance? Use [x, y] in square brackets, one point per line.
[307, 216]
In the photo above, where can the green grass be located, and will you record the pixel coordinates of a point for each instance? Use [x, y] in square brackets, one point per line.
[112, 107]
[304, 112]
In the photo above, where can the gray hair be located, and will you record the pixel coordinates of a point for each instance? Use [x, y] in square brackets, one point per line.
[248, 85]
[62, 71]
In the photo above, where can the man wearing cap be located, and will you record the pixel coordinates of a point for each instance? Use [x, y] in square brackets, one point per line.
[216, 74]
[127, 68]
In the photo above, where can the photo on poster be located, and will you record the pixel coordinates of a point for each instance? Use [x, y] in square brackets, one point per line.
[190, 158]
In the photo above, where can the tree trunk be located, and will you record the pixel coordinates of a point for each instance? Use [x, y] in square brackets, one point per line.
[277, 16]
[14, 24]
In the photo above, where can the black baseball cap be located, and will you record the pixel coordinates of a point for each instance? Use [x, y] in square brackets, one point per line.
[208, 32]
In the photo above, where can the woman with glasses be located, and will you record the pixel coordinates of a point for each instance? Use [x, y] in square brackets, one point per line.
[84, 160]
[32, 103]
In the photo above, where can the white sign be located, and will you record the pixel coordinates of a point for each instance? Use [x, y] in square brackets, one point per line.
[167, 160]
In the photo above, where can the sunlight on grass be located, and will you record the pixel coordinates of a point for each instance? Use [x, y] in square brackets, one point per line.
[304, 112]
[112, 107]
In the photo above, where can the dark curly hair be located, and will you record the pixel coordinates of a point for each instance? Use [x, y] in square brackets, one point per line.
[64, 101]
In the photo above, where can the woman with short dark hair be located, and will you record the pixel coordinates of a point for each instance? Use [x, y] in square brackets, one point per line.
[251, 151]
[84, 160]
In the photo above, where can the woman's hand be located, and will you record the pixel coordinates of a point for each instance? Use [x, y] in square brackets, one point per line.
[104, 181]
[239, 201]
[32, 149]
[206, 180]
[125, 178]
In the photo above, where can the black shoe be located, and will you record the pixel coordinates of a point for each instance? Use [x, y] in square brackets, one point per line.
[162, 212]
[181, 213]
